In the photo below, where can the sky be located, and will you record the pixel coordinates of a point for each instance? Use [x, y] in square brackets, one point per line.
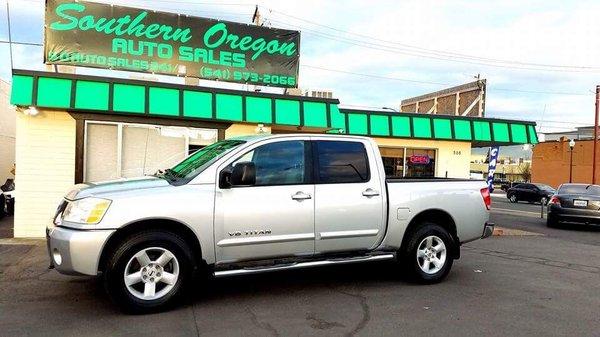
[541, 59]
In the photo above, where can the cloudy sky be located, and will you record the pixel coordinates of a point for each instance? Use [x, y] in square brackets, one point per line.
[541, 58]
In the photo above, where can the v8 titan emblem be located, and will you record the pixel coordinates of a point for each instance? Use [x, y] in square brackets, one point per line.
[251, 232]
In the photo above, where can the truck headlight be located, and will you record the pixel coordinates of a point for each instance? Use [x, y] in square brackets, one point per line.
[86, 211]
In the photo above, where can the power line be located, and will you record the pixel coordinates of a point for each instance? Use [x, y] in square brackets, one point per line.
[442, 53]
[439, 83]
[372, 46]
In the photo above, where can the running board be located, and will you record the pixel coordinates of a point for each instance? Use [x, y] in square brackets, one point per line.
[299, 265]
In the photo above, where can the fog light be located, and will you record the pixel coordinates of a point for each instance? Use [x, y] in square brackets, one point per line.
[56, 257]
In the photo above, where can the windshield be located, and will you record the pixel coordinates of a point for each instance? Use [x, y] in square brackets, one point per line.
[579, 189]
[544, 187]
[193, 165]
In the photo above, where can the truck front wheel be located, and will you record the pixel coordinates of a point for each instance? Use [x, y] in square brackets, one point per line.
[428, 253]
[149, 271]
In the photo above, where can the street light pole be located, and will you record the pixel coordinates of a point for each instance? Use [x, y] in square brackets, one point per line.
[572, 146]
[595, 134]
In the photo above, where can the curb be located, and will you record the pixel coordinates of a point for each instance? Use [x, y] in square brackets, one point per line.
[501, 231]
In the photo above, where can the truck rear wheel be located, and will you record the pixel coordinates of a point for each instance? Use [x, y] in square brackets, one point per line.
[428, 253]
[149, 271]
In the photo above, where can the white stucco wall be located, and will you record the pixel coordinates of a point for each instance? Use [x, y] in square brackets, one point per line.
[45, 157]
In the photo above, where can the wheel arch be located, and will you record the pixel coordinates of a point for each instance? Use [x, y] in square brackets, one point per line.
[439, 217]
[169, 225]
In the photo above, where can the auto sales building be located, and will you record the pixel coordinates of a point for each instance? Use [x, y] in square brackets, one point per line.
[72, 129]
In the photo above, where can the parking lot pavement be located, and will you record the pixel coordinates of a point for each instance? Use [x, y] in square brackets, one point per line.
[525, 216]
[519, 286]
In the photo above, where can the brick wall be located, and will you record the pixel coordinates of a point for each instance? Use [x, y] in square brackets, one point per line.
[45, 157]
[551, 161]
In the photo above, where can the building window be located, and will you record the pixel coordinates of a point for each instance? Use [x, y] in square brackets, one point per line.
[393, 162]
[420, 163]
[124, 150]
[409, 163]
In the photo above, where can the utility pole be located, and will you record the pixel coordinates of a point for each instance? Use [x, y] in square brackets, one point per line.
[9, 37]
[595, 133]
[256, 17]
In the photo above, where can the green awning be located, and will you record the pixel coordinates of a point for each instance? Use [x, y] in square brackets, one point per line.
[479, 131]
[77, 93]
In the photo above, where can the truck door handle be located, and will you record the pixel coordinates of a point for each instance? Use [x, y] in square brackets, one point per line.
[301, 196]
[369, 192]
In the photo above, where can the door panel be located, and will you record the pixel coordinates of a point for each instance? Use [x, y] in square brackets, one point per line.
[274, 218]
[349, 213]
[263, 222]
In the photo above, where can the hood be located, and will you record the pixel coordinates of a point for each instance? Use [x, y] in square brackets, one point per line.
[97, 189]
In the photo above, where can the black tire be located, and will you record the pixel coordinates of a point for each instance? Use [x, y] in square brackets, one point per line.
[115, 268]
[409, 253]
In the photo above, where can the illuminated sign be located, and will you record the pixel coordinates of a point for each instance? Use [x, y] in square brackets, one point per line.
[90, 34]
[419, 160]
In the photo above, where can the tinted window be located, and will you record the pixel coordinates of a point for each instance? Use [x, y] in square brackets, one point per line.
[279, 163]
[342, 162]
[579, 189]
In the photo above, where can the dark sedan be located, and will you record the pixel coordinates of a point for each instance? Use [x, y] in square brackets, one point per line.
[575, 203]
[530, 193]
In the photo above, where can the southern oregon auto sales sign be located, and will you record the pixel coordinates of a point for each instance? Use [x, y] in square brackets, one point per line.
[97, 35]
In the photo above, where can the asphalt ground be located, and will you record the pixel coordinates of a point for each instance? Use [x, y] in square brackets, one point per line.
[527, 217]
[542, 285]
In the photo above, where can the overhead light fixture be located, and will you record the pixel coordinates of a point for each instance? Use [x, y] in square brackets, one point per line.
[31, 111]
[260, 128]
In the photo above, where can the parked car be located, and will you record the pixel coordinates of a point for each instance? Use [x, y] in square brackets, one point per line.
[507, 185]
[7, 198]
[258, 204]
[576, 204]
[530, 192]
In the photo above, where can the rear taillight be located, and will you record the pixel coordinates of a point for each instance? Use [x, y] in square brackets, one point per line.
[487, 198]
[554, 200]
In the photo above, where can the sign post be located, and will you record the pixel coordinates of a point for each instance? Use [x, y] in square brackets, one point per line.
[90, 34]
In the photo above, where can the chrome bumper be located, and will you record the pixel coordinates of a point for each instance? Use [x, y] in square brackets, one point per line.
[488, 230]
[75, 252]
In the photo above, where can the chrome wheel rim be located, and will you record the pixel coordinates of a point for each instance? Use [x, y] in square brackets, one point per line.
[513, 198]
[151, 273]
[431, 254]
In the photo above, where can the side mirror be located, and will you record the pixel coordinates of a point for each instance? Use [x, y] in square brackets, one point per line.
[225, 178]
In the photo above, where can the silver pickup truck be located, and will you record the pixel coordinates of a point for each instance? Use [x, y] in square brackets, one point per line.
[257, 204]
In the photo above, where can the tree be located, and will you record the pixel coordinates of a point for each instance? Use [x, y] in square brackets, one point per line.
[525, 171]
